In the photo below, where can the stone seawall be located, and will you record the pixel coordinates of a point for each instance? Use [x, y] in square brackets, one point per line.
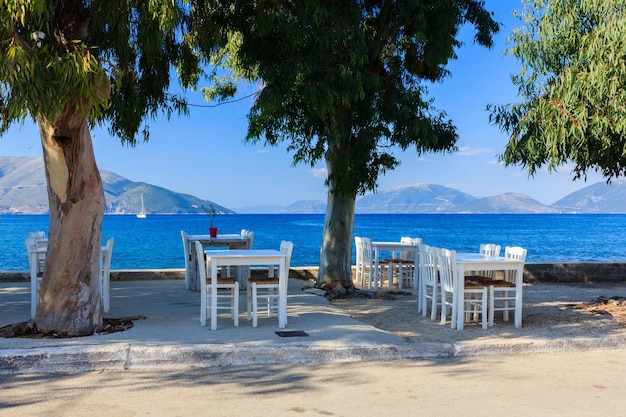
[533, 272]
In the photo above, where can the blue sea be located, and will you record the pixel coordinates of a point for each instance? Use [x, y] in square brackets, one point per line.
[155, 242]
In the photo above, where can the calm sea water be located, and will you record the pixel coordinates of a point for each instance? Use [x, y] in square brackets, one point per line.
[155, 242]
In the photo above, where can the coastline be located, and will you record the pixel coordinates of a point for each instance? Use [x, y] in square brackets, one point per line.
[558, 272]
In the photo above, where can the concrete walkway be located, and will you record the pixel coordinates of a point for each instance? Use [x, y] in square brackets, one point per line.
[170, 336]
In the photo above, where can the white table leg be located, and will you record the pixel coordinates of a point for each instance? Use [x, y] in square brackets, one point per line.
[458, 295]
[519, 285]
[33, 284]
[375, 269]
[282, 293]
[213, 296]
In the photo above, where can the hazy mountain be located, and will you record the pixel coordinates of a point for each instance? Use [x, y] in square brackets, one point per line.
[428, 198]
[509, 203]
[596, 198]
[22, 186]
[23, 190]
[269, 209]
[305, 207]
[418, 198]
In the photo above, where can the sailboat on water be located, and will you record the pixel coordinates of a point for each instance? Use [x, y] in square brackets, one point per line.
[142, 213]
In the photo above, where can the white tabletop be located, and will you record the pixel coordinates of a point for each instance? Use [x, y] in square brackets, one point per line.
[226, 236]
[244, 253]
[479, 258]
[388, 245]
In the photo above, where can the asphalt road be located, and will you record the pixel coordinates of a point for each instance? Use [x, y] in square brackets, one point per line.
[585, 383]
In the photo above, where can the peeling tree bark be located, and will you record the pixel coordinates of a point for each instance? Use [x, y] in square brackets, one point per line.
[69, 301]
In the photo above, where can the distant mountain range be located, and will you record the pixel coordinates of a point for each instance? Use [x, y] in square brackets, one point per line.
[23, 191]
[428, 198]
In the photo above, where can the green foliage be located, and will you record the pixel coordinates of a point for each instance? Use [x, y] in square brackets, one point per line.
[210, 211]
[343, 81]
[572, 85]
[108, 60]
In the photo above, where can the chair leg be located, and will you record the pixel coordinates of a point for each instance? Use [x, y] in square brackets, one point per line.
[505, 313]
[235, 305]
[491, 305]
[433, 309]
[444, 308]
[484, 308]
[248, 301]
[255, 306]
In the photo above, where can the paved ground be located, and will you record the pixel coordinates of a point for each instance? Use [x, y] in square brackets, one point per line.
[170, 337]
[565, 361]
[568, 384]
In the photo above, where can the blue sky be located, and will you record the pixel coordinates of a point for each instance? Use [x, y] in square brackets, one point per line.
[205, 155]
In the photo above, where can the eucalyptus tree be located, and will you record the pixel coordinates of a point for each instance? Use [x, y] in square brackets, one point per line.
[70, 65]
[572, 87]
[346, 83]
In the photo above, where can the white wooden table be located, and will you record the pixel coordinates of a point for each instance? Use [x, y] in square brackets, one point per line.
[480, 262]
[248, 257]
[230, 241]
[392, 247]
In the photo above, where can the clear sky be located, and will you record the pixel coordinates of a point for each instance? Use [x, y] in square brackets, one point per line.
[205, 155]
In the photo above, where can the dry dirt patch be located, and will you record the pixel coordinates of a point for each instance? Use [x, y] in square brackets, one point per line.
[550, 311]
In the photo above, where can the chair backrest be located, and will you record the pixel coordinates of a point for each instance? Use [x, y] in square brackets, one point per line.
[31, 246]
[39, 235]
[367, 251]
[250, 235]
[106, 261]
[515, 252]
[428, 265]
[407, 240]
[286, 247]
[183, 234]
[36, 262]
[447, 269]
[202, 266]
[490, 249]
[358, 249]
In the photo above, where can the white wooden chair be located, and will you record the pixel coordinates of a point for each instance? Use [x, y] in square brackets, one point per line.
[429, 278]
[502, 292]
[105, 275]
[36, 261]
[359, 266]
[474, 300]
[402, 268]
[186, 251]
[227, 291]
[366, 265]
[266, 289]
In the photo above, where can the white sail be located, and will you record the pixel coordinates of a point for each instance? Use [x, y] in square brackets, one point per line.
[142, 213]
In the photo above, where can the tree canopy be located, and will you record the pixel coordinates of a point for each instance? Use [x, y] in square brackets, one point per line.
[349, 75]
[572, 88]
[112, 60]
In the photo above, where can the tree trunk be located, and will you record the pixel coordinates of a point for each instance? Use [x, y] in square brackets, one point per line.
[336, 249]
[69, 301]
